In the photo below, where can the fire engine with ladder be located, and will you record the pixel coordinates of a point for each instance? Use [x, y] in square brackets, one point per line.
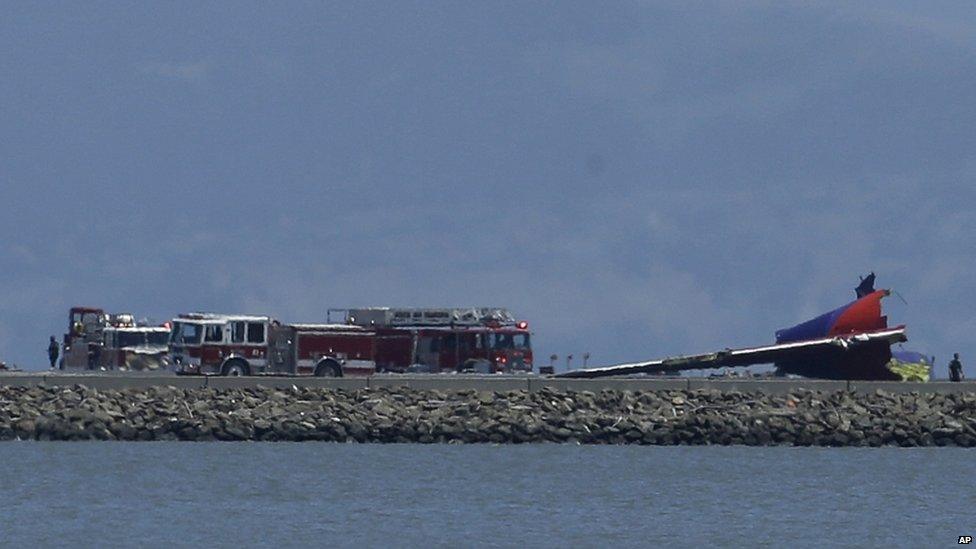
[363, 342]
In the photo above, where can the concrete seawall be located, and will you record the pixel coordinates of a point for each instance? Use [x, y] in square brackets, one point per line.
[118, 381]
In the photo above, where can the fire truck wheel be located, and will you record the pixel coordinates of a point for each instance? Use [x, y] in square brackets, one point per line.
[235, 368]
[328, 368]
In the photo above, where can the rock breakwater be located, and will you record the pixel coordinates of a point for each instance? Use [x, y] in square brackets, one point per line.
[802, 418]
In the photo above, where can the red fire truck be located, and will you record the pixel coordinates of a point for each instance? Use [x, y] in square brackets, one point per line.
[485, 340]
[366, 341]
[97, 340]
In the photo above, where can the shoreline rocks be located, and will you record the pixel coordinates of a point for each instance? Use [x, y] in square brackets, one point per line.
[802, 418]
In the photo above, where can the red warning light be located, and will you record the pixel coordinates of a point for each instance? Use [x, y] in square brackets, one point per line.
[522, 325]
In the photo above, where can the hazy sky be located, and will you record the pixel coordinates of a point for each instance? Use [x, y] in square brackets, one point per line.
[634, 179]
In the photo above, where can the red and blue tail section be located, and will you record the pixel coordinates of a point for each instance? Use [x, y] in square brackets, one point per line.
[862, 315]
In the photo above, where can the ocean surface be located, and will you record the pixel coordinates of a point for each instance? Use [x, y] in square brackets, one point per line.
[315, 494]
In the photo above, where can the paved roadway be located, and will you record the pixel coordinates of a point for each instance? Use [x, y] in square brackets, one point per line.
[127, 380]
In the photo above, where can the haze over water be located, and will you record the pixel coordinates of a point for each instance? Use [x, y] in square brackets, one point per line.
[228, 495]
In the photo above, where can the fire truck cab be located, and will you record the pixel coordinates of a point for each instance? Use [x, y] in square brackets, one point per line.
[232, 345]
[134, 348]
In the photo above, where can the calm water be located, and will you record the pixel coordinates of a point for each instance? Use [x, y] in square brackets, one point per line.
[221, 494]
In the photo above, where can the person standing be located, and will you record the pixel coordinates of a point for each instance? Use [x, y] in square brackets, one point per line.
[53, 351]
[955, 368]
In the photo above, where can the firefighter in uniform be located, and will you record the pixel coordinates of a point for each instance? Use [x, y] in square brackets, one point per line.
[53, 350]
[955, 368]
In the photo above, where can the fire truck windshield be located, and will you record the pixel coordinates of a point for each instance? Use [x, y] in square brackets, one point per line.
[187, 333]
[510, 341]
[131, 339]
[157, 338]
[139, 338]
